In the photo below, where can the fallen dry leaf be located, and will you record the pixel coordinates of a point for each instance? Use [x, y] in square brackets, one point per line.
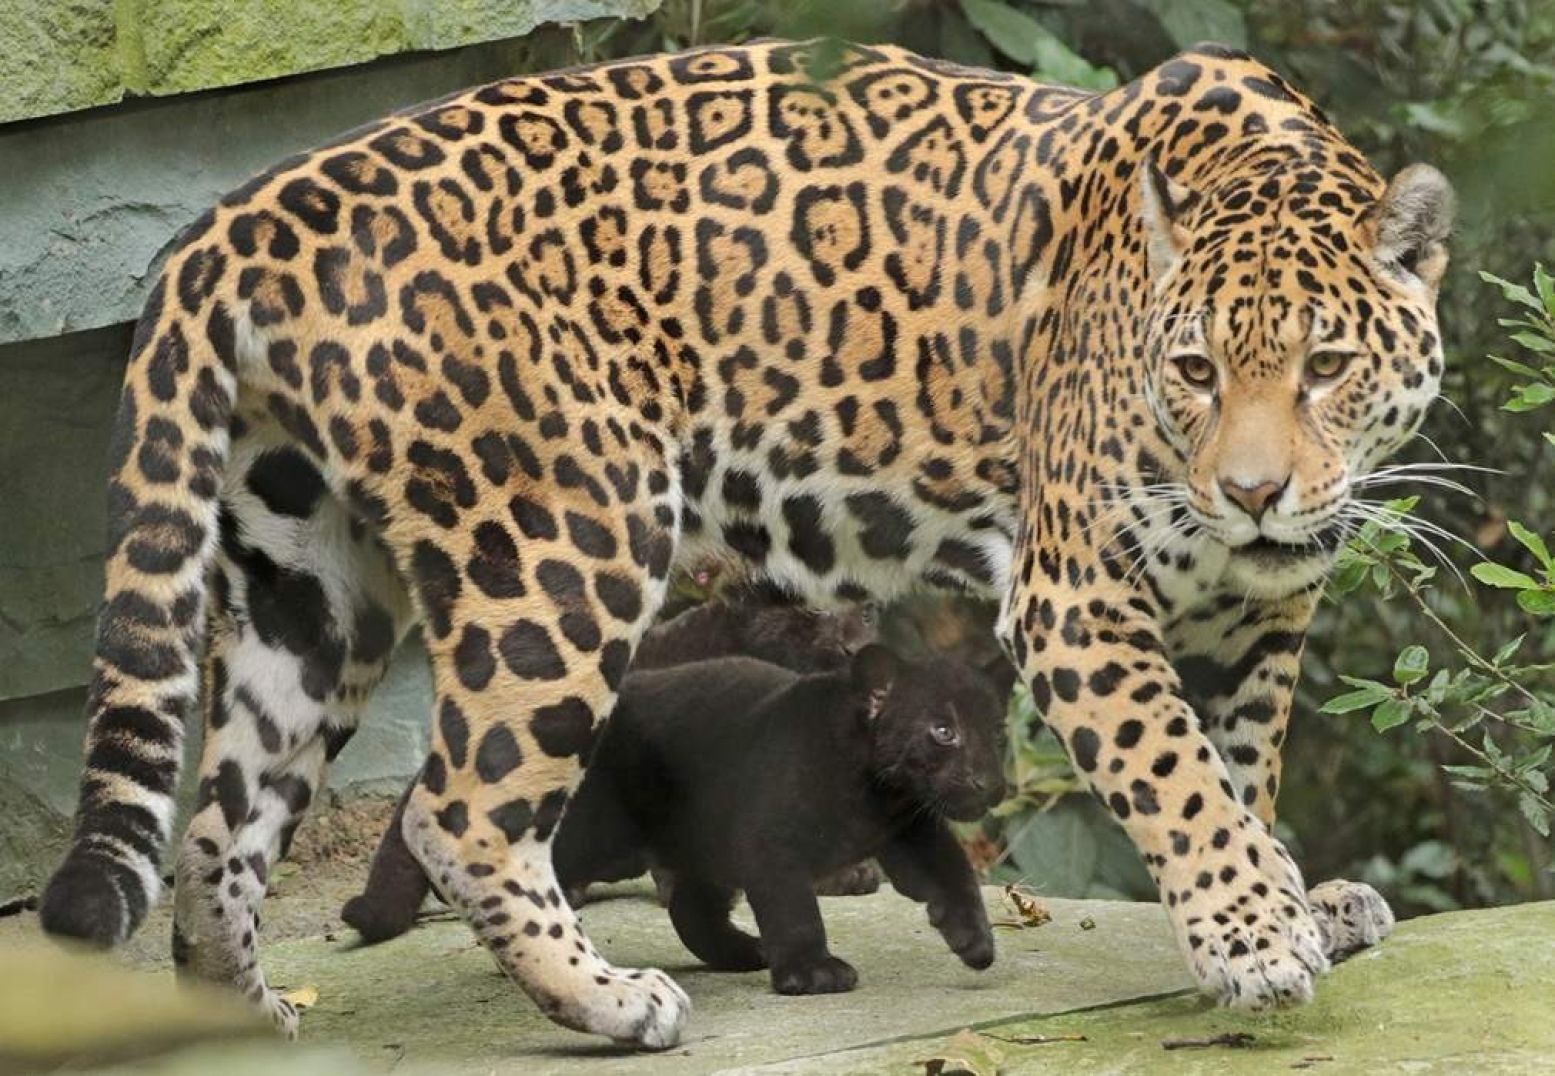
[303, 997]
[966, 1054]
[1029, 911]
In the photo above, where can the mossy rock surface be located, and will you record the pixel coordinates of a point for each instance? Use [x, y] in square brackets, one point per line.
[1465, 992]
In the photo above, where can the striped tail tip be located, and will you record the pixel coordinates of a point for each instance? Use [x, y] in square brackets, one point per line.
[93, 898]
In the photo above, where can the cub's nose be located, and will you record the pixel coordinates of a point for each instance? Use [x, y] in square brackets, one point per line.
[992, 789]
[1253, 499]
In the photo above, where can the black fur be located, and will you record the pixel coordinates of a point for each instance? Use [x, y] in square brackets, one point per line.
[740, 775]
[762, 624]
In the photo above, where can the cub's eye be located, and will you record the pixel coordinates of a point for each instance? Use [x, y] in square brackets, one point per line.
[1196, 370]
[1327, 365]
[944, 733]
[869, 614]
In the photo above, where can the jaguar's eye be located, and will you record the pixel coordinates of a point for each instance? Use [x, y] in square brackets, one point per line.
[944, 733]
[1327, 365]
[1196, 370]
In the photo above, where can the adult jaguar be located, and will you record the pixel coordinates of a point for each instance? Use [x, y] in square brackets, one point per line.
[497, 362]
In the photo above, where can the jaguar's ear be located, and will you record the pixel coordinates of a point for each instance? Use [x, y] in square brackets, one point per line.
[1409, 225]
[875, 669]
[1164, 203]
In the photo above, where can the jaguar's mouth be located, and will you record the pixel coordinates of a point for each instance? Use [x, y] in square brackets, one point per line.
[1320, 543]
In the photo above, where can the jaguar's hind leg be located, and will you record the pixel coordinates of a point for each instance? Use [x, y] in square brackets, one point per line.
[1351, 916]
[306, 615]
[530, 629]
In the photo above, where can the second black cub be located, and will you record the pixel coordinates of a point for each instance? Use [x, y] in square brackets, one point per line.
[740, 775]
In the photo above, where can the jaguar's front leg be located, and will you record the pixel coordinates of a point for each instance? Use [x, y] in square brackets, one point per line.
[1239, 662]
[1095, 658]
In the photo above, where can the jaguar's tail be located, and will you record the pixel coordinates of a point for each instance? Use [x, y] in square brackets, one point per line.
[168, 451]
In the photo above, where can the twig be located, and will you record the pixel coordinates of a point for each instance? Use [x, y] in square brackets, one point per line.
[1236, 1040]
[1037, 1040]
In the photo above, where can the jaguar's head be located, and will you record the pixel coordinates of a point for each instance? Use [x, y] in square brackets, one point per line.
[1293, 345]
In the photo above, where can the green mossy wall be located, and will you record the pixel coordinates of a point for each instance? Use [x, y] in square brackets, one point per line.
[61, 55]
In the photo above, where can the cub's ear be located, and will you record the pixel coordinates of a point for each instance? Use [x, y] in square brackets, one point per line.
[875, 669]
[1409, 225]
[1164, 203]
[1001, 675]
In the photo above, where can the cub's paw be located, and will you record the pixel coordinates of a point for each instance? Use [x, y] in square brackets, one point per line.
[1351, 915]
[642, 1007]
[378, 920]
[858, 880]
[966, 931]
[831, 975]
[737, 951]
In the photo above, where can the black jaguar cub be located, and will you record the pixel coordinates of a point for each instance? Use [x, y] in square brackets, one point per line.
[737, 775]
[755, 621]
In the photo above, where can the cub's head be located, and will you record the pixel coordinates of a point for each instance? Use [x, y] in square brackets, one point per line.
[936, 729]
[1292, 345]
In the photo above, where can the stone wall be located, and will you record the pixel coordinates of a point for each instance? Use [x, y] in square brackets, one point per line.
[90, 199]
[61, 55]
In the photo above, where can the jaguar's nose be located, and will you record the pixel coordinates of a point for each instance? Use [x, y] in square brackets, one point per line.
[1255, 498]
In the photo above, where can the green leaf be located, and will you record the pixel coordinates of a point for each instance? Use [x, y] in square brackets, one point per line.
[1431, 116]
[1517, 293]
[1412, 664]
[1391, 714]
[1537, 602]
[1540, 716]
[1362, 682]
[1351, 701]
[1056, 63]
[1055, 849]
[1191, 21]
[1436, 692]
[1520, 369]
[1530, 541]
[1536, 813]
[1535, 342]
[1349, 575]
[1434, 859]
[1499, 575]
[1544, 284]
[1012, 32]
[1532, 763]
[1529, 397]
[1507, 649]
[1027, 41]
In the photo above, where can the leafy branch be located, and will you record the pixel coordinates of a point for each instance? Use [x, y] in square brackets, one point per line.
[1491, 695]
